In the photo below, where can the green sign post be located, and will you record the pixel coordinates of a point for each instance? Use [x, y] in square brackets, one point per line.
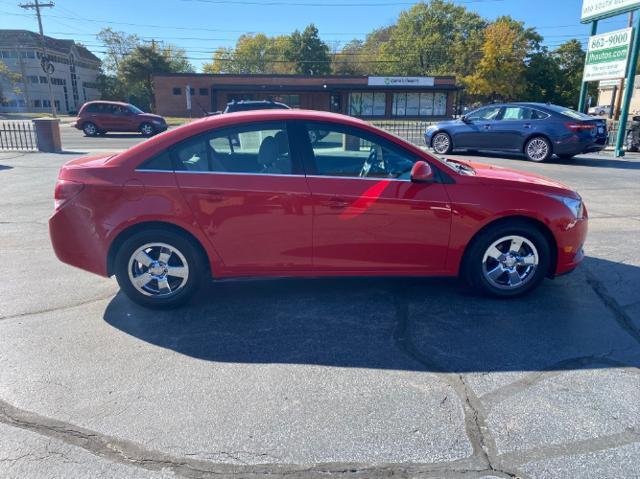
[607, 53]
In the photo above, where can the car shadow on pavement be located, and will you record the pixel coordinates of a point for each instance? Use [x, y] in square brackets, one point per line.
[396, 323]
[5, 167]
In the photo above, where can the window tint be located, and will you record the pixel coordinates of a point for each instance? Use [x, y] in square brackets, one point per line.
[490, 113]
[518, 113]
[161, 161]
[257, 148]
[93, 108]
[538, 115]
[344, 151]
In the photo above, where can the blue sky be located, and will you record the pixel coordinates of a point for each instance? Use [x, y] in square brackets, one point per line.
[199, 26]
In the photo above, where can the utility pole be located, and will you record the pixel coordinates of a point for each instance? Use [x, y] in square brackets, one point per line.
[45, 58]
[616, 115]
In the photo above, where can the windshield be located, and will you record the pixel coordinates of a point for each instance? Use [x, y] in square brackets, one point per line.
[135, 109]
[576, 115]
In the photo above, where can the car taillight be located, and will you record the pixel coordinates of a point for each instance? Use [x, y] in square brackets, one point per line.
[66, 190]
[580, 126]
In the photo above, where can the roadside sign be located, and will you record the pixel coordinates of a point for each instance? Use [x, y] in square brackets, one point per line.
[607, 55]
[597, 9]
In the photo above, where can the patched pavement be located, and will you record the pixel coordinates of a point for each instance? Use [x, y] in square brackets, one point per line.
[301, 378]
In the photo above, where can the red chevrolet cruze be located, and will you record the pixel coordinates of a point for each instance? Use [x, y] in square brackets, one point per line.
[248, 194]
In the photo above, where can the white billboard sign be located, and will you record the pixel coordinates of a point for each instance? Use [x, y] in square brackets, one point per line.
[402, 81]
[607, 55]
[596, 9]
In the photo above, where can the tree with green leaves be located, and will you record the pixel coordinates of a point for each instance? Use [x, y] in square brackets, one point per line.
[255, 53]
[435, 38]
[117, 46]
[136, 70]
[308, 53]
[500, 75]
[10, 78]
[570, 57]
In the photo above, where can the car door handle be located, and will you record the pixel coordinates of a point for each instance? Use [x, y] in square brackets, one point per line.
[214, 196]
[527, 125]
[336, 203]
[487, 127]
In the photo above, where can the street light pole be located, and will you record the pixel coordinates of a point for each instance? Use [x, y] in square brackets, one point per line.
[37, 6]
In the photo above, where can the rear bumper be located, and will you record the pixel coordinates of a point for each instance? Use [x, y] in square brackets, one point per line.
[76, 240]
[573, 146]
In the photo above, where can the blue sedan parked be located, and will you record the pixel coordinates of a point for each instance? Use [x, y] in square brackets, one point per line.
[537, 130]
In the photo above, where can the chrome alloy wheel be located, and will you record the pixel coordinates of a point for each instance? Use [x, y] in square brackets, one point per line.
[147, 129]
[158, 269]
[537, 149]
[90, 129]
[510, 262]
[441, 143]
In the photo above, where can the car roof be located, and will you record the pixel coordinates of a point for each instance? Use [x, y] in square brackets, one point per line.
[529, 104]
[168, 138]
[108, 102]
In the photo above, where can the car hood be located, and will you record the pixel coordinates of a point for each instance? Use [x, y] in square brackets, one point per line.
[150, 117]
[491, 174]
[442, 124]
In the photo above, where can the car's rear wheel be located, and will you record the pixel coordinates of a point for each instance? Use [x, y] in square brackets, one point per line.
[507, 260]
[441, 143]
[538, 149]
[90, 129]
[147, 129]
[159, 269]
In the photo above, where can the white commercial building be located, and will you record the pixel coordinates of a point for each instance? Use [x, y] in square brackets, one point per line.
[73, 79]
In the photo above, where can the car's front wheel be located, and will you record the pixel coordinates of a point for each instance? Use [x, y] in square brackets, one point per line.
[509, 259]
[441, 143]
[90, 129]
[147, 129]
[159, 269]
[538, 149]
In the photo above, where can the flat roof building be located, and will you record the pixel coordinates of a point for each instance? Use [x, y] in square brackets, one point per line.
[73, 79]
[361, 96]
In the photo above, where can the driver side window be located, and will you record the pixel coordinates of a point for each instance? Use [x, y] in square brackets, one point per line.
[490, 113]
[349, 152]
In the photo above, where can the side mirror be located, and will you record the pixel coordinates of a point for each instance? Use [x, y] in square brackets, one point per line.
[421, 172]
[465, 119]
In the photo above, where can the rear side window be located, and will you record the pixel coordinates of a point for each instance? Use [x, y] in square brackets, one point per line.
[92, 108]
[261, 148]
[538, 115]
[159, 162]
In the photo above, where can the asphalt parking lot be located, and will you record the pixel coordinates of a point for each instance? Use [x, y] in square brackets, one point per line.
[301, 378]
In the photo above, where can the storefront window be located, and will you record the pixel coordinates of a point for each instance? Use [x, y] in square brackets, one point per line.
[367, 104]
[419, 104]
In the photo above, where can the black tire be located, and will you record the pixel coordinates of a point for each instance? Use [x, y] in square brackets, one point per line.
[441, 143]
[534, 151]
[90, 129]
[473, 269]
[629, 143]
[147, 129]
[192, 254]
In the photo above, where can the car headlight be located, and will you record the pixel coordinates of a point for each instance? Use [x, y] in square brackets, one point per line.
[575, 205]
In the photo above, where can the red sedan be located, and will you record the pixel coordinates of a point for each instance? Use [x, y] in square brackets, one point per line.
[248, 194]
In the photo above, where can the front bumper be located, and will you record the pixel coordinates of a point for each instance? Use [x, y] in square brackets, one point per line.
[570, 243]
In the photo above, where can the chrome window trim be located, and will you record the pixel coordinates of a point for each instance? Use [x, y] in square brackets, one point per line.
[272, 174]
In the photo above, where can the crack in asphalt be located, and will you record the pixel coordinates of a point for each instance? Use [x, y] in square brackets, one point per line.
[58, 308]
[478, 434]
[619, 313]
[129, 453]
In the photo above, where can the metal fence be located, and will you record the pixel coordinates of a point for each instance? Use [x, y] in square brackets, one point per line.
[17, 136]
[410, 130]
